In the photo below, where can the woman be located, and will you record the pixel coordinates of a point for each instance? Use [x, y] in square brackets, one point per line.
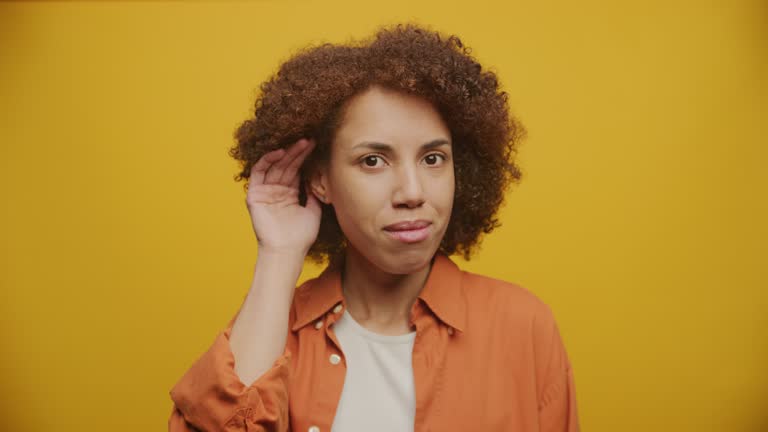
[382, 158]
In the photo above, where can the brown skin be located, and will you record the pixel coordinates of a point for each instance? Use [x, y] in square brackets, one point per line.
[371, 188]
[282, 226]
[307, 97]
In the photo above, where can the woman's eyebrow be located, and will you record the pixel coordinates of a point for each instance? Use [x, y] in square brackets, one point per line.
[388, 148]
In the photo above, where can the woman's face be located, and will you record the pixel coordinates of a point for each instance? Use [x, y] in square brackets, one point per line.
[391, 162]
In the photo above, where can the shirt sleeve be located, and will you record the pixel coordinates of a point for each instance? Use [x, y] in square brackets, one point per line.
[210, 396]
[557, 391]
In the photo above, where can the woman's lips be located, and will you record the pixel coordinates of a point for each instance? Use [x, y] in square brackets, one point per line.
[410, 236]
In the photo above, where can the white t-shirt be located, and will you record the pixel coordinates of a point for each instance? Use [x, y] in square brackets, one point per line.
[378, 392]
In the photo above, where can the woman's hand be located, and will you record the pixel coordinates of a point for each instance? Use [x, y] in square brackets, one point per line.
[281, 224]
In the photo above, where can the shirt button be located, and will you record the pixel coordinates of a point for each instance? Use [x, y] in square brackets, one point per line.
[319, 324]
[337, 309]
[334, 359]
[314, 429]
[450, 331]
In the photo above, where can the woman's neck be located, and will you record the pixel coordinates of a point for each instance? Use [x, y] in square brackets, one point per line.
[378, 300]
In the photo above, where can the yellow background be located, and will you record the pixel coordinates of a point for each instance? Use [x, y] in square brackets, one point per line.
[641, 220]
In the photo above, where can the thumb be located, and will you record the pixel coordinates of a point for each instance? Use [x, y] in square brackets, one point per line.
[313, 203]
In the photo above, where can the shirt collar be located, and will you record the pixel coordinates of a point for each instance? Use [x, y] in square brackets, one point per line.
[442, 293]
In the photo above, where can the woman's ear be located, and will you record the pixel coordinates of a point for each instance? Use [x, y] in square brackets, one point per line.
[318, 183]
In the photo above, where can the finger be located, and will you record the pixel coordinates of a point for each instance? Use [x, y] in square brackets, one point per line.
[275, 172]
[271, 194]
[290, 171]
[312, 202]
[259, 169]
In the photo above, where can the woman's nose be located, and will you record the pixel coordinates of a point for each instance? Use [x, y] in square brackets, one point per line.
[409, 191]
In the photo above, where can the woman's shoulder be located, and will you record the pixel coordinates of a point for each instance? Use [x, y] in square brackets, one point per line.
[484, 287]
[487, 295]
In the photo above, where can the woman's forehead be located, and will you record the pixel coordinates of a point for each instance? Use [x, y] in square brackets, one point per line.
[391, 119]
[386, 147]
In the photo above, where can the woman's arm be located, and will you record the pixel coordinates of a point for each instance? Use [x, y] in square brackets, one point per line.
[241, 382]
[557, 391]
[263, 316]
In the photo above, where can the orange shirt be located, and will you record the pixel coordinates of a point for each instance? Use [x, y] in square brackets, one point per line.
[488, 356]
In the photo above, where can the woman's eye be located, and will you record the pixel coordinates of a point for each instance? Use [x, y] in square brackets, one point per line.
[433, 159]
[370, 161]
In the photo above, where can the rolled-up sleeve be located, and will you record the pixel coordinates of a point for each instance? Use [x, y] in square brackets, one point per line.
[557, 391]
[211, 397]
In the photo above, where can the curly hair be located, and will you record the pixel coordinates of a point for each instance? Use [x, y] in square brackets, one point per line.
[307, 95]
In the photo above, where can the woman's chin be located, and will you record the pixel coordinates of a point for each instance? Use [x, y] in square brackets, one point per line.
[398, 258]
[405, 261]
